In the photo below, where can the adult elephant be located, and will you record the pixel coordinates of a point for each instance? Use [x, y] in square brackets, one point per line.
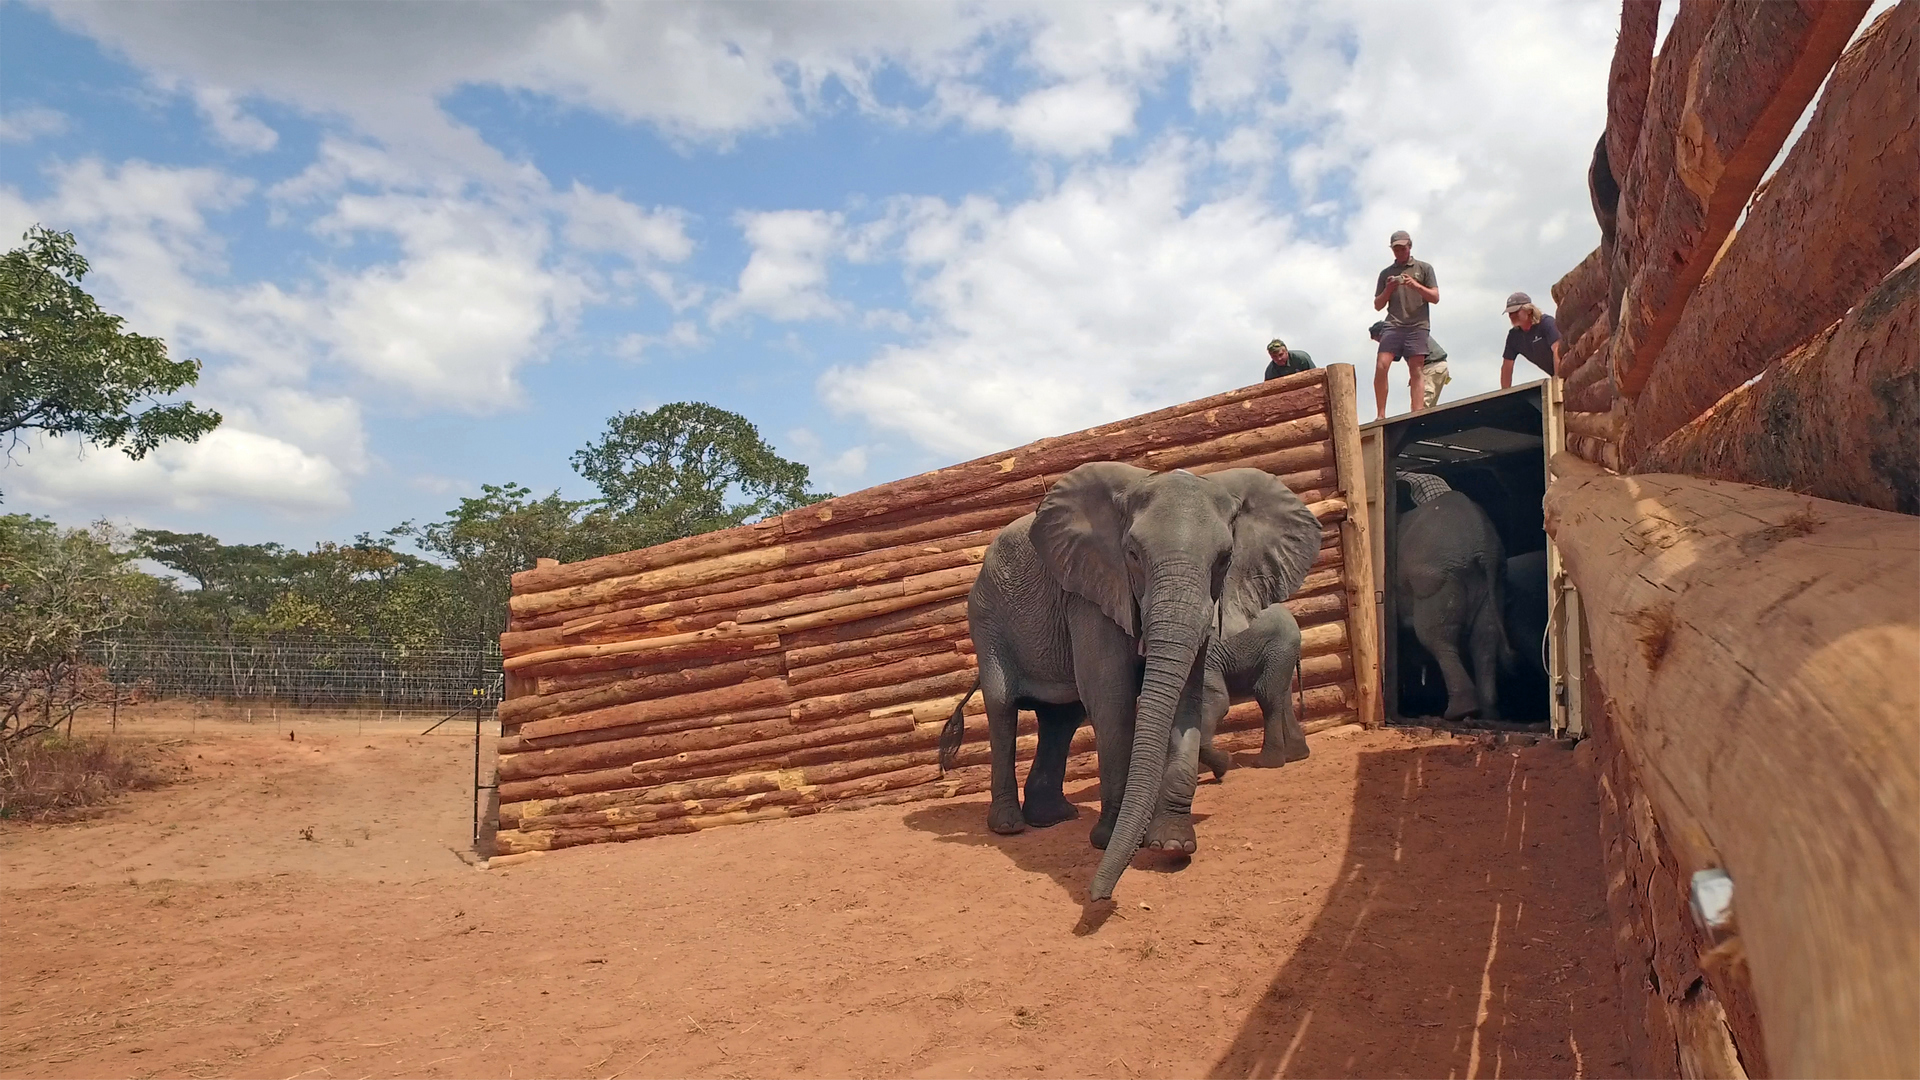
[1526, 609]
[1449, 582]
[1101, 601]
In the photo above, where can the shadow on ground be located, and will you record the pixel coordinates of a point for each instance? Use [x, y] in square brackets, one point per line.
[1423, 960]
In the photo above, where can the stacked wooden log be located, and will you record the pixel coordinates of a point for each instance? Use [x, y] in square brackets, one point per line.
[1695, 308]
[808, 662]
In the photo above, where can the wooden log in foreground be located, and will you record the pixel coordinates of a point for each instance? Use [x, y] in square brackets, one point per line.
[1594, 425]
[1628, 81]
[1759, 648]
[1756, 71]
[681, 680]
[1838, 418]
[1596, 451]
[1841, 211]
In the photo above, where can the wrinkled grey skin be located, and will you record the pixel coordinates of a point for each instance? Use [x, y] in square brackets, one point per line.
[1260, 662]
[1526, 609]
[1450, 581]
[1100, 604]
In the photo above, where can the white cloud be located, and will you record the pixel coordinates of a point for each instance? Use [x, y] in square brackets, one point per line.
[597, 221]
[236, 129]
[1126, 287]
[227, 466]
[26, 125]
[786, 276]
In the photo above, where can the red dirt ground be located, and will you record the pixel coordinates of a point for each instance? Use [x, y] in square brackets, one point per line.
[1396, 905]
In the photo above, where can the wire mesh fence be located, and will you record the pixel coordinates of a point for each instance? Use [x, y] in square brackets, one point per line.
[302, 671]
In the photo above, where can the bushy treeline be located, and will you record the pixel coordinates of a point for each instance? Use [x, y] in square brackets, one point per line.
[678, 470]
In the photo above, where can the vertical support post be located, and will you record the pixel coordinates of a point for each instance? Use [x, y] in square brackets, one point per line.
[476, 769]
[1356, 544]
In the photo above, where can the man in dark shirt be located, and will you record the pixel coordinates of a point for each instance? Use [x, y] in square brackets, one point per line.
[1533, 336]
[1404, 289]
[1284, 361]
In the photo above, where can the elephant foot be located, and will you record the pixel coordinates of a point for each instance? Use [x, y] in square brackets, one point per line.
[1172, 833]
[1102, 832]
[1048, 808]
[1273, 757]
[1461, 705]
[1004, 817]
[1217, 760]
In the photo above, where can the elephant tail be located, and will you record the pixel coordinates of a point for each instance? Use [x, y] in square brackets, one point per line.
[955, 730]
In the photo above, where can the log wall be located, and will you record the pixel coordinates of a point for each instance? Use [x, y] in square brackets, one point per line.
[1750, 682]
[807, 662]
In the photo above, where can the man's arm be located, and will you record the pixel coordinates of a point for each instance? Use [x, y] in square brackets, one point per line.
[1556, 357]
[1386, 290]
[1506, 373]
[1432, 294]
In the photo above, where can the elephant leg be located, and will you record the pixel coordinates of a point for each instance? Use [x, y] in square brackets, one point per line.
[1174, 827]
[1003, 726]
[1214, 702]
[1046, 802]
[1106, 673]
[1437, 622]
[1485, 643]
[1283, 740]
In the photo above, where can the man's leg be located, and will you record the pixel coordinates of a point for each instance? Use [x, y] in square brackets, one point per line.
[1381, 365]
[1434, 372]
[1416, 384]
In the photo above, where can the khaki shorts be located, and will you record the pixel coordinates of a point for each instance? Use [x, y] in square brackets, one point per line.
[1434, 375]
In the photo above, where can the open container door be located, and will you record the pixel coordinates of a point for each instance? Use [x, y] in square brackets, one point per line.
[1566, 628]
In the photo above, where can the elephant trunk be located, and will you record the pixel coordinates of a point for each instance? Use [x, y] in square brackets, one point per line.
[1174, 627]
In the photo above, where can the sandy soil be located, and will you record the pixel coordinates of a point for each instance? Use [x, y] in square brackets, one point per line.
[1393, 906]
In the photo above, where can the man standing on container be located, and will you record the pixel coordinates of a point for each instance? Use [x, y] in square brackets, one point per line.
[1404, 289]
[1284, 361]
[1434, 374]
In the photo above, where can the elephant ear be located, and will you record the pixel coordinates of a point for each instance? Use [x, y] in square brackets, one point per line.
[1275, 541]
[1078, 532]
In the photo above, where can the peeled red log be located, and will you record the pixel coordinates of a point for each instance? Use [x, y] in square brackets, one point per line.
[701, 648]
[1628, 81]
[1329, 511]
[1580, 297]
[678, 575]
[707, 747]
[514, 743]
[1294, 395]
[1242, 444]
[742, 601]
[517, 642]
[1757, 69]
[729, 631]
[1643, 183]
[1313, 610]
[682, 680]
[826, 707]
[689, 549]
[752, 694]
[907, 586]
[1840, 212]
[1838, 418]
[795, 576]
[1594, 425]
[800, 659]
[802, 676]
[895, 622]
[1595, 451]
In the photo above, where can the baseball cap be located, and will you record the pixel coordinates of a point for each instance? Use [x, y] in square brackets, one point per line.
[1517, 301]
[1377, 329]
[1400, 237]
[1276, 345]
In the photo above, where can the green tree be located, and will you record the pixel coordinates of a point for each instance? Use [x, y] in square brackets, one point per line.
[688, 468]
[66, 367]
[488, 539]
[60, 590]
[235, 583]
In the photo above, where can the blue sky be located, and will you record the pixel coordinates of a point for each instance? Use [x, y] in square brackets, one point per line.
[422, 247]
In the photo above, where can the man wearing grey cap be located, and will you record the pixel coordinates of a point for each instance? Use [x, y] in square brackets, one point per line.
[1533, 336]
[1404, 289]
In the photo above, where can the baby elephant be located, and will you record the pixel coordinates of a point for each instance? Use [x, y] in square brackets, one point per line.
[1259, 661]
